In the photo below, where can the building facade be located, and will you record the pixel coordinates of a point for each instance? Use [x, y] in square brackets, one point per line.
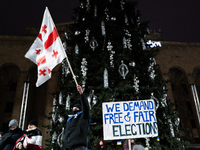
[178, 62]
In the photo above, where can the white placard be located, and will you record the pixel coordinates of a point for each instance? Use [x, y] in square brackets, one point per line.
[129, 119]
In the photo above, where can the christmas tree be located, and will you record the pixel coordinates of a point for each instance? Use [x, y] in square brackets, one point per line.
[112, 61]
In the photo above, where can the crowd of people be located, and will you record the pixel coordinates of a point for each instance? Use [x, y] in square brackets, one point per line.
[16, 139]
[74, 136]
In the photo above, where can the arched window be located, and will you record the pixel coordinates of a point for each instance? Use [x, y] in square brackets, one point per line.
[183, 97]
[9, 75]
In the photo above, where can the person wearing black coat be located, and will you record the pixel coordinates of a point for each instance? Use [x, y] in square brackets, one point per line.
[7, 142]
[76, 129]
[31, 139]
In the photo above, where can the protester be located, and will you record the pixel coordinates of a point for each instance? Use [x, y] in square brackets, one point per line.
[7, 142]
[1, 135]
[126, 144]
[138, 145]
[101, 145]
[31, 140]
[76, 129]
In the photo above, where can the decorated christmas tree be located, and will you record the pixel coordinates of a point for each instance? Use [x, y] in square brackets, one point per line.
[113, 61]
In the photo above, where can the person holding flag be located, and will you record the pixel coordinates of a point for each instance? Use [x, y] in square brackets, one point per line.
[76, 129]
[46, 52]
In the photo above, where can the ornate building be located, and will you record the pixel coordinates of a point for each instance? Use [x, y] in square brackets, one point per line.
[180, 65]
[178, 61]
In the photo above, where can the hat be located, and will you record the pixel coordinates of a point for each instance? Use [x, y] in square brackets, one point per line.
[33, 122]
[13, 122]
[78, 106]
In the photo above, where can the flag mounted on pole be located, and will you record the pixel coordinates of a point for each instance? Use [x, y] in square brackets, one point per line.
[47, 50]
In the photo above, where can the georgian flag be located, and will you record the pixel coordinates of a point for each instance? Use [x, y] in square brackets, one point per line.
[47, 50]
[30, 142]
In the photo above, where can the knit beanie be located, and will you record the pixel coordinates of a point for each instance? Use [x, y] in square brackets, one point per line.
[13, 122]
[33, 122]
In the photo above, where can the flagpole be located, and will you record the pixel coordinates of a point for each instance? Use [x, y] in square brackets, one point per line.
[69, 63]
[63, 50]
[71, 71]
[129, 144]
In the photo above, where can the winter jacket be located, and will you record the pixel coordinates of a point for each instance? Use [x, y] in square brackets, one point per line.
[7, 142]
[31, 140]
[76, 129]
[126, 146]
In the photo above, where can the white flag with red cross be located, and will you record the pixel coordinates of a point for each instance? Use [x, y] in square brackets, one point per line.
[47, 50]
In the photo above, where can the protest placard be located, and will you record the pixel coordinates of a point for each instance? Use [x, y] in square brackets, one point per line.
[129, 119]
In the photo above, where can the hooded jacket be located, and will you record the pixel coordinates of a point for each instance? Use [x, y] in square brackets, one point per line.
[76, 129]
[7, 142]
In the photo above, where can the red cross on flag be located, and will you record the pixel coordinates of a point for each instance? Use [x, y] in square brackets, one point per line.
[47, 50]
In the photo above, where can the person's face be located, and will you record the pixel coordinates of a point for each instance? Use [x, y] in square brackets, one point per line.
[132, 141]
[31, 126]
[13, 127]
[101, 143]
[75, 109]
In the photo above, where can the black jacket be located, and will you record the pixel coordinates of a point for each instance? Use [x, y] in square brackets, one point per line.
[75, 133]
[7, 142]
[98, 147]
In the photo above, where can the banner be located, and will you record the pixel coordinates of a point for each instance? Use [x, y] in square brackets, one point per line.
[129, 119]
[47, 50]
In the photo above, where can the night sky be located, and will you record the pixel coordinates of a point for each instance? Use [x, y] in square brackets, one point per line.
[178, 20]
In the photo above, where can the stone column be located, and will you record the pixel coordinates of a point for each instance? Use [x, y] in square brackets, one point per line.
[18, 95]
[190, 78]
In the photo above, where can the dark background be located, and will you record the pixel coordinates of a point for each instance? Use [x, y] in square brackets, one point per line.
[178, 20]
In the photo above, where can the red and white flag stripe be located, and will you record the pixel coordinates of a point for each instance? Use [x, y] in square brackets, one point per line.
[47, 50]
[34, 142]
